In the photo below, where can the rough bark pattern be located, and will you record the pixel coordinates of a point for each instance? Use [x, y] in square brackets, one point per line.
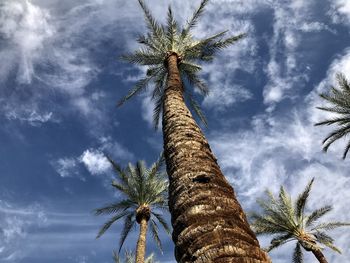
[209, 224]
[319, 255]
[141, 242]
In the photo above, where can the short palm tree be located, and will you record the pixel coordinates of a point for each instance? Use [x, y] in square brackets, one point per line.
[339, 98]
[144, 191]
[287, 221]
[129, 257]
[208, 221]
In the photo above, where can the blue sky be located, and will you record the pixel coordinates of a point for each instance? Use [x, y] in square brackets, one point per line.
[60, 79]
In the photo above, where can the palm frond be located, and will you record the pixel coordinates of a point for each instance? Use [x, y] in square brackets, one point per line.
[340, 104]
[115, 207]
[346, 150]
[139, 86]
[339, 121]
[279, 241]
[189, 74]
[196, 108]
[158, 107]
[326, 240]
[171, 29]
[129, 222]
[302, 199]
[116, 167]
[298, 254]
[108, 224]
[152, 24]
[221, 44]
[334, 109]
[157, 166]
[330, 225]
[143, 57]
[162, 221]
[154, 231]
[334, 136]
[194, 19]
[317, 214]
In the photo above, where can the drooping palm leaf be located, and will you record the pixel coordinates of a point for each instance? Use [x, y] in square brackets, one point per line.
[339, 99]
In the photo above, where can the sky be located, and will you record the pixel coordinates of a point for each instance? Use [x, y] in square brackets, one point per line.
[60, 79]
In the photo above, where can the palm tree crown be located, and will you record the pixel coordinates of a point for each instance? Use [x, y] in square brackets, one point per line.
[340, 100]
[287, 221]
[162, 41]
[144, 191]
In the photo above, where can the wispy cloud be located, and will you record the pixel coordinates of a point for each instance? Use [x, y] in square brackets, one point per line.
[285, 148]
[15, 225]
[93, 159]
[66, 167]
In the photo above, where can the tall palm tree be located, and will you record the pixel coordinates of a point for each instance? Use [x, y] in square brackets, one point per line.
[129, 257]
[287, 221]
[144, 191]
[339, 98]
[209, 224]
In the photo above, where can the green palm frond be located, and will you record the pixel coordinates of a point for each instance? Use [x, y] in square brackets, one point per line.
[115, 207]
[162, 221]
[326, 240]
[298, 254]
[140, 186]
[286, 221]
[336, 135]
[108, 224]
[302, 199]
[155, 29]
[329, 225]
[159, 42]
[154, 231]
[196, 108]
[317, 214]
[339, 99]
[129, 222]
[141, 85]
[278, 241]
[158, 107]
[194, 19]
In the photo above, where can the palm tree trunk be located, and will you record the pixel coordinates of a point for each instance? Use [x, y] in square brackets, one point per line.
[141, 242]
[209, 224]
[319, 255]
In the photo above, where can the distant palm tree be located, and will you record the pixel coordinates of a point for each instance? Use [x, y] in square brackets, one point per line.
[209, 223]
[339, 98]
[129, 257]
[287, 221]
[144, 191]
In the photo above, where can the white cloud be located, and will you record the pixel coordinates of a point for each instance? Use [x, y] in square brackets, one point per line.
[25, 27]
[95, 161]
[66, 167]
[30, 116]
[285, 148]
[115, 149]
[15, 223]
[340, 11]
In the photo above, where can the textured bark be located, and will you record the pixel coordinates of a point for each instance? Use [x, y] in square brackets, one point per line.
[209, 224]
[141, 242]
[319, 255]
